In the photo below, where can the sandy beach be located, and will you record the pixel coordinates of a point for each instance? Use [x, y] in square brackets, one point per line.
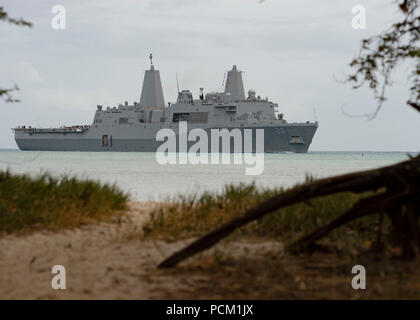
[113, 261]
[102, 261]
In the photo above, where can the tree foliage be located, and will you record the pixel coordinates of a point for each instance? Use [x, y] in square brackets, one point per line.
[380, 55]
[6, 94]
[20, 22]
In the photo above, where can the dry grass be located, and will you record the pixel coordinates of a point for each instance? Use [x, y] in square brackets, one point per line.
[325, 273]
[192, 216]
[44, 202]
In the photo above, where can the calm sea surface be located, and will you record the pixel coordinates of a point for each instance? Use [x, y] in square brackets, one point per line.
[145, 179]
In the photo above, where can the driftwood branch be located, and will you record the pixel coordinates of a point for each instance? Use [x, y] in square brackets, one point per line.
[362, 208]
[403, 174]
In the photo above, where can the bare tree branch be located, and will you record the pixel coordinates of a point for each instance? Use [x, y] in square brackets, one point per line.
[405, 174]
[20, 22]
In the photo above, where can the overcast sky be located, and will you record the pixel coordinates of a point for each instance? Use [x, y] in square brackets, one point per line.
[290, 50]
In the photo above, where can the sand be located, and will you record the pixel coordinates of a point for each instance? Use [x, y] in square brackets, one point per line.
[102, 261]
[112, 261]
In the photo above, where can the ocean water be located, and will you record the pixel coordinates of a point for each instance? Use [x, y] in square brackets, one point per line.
[143, 178]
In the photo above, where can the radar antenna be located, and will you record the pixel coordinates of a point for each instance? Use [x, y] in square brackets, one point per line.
[315, 115]
[177, 83]
[224, 79]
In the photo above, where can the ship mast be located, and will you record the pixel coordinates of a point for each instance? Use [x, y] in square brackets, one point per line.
[234, 85]
[151, 92]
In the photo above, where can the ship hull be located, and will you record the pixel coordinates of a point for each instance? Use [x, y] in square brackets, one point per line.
[285, 138]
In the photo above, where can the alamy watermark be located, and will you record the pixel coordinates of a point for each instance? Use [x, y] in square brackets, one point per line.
[359, 280]
[359, 18]
[174, 149]
[58, 21]
[58, 282]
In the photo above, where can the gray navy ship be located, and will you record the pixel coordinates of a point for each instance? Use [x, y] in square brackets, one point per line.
[133, 127]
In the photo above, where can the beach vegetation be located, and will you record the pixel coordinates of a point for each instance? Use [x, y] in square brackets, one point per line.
[28, 203]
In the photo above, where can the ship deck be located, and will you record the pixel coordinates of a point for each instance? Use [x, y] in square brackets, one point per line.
[72, 129]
